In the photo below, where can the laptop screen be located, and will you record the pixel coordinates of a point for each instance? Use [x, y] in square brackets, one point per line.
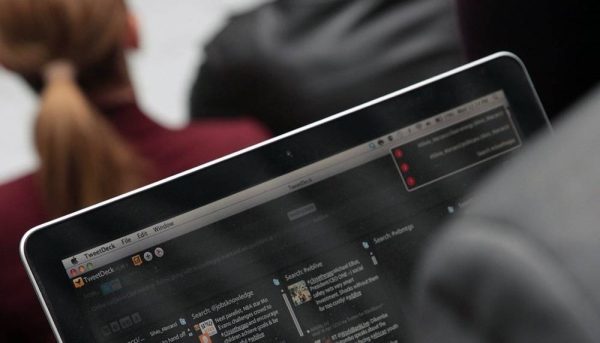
[322, 254]
[314, 236]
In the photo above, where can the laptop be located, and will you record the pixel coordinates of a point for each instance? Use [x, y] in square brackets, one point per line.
[313, 236]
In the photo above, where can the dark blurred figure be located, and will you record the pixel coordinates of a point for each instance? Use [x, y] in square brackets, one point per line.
[556, 41]
[292, 62]
[92, 139]
[523, 263]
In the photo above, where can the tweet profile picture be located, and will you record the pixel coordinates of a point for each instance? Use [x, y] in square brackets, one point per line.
[299, 293]
[204, 338]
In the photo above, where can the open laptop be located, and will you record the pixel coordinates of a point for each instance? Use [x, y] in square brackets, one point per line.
[310, 237]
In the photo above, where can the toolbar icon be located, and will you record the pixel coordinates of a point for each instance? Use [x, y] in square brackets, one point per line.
[114, 326]
[106, 330]
[136, 318]
[137, 260]
[159, 252]
[78, 283]
[126, 322]
[148, 256]
[74, 261]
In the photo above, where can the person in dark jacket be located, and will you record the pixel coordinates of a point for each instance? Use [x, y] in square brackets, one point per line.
[292, 62]
[556, 42]
[523, 263]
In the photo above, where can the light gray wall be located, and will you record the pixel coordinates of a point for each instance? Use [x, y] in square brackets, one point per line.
[173, 33]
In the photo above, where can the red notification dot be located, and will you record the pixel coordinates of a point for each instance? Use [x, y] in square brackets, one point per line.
[411, 182]
[398, 153]
[404, 167]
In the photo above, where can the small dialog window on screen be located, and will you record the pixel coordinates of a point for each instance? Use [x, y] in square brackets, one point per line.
[455, 148]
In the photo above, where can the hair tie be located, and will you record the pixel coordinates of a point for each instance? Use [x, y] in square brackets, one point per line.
[59, 70]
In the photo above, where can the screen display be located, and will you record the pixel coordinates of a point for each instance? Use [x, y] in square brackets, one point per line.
[323, 254]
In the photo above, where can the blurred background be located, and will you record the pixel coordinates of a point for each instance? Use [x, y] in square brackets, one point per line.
[173, 34]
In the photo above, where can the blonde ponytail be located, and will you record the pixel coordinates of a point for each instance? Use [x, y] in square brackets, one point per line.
[83, 159]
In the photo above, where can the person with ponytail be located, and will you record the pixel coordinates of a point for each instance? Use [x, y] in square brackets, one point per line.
[92, 139]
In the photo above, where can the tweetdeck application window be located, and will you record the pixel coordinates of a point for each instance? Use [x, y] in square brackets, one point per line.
[324, 255]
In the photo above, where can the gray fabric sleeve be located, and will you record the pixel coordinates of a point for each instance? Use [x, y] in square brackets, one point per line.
[488, 282]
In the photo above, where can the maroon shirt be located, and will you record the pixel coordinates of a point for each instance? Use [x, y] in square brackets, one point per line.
[21, 206]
